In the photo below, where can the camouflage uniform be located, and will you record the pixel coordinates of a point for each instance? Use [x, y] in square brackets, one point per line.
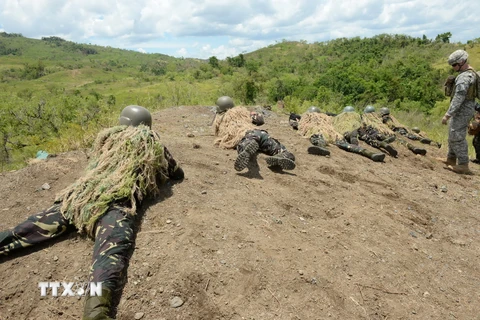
[461, 110]
[372, 137]
[474, 129]
[113, 235]
[266, 144]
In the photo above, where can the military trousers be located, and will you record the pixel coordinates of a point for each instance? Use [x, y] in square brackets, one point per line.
[111, 251]
[266, 143]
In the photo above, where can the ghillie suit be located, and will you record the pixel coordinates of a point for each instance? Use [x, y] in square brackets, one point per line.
[234, 129]
[125, 164]
[231, 126]
[347, 122]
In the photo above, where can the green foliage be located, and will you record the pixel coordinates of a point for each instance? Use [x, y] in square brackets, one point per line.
[55, 94]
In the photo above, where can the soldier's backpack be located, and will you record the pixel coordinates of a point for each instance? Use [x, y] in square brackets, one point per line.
[476, 86]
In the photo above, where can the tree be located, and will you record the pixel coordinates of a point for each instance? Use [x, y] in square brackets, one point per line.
[213, 61]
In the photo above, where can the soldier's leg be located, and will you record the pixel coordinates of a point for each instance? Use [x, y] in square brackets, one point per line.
[319, 145]
[111, 252]
[376, 157]
[247, 147]
[37, 228]
[351, 137]
[413, 148]
[457, 140]
[278, 154]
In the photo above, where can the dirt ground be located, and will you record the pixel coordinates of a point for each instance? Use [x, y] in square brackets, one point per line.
[339, 237]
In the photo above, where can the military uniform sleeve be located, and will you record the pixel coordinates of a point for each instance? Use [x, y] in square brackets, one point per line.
[174, 171]
[462, 83]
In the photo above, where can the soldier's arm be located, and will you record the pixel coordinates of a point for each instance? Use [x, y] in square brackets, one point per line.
[174, 171]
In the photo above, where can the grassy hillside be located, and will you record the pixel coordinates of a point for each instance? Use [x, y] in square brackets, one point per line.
[56, 94]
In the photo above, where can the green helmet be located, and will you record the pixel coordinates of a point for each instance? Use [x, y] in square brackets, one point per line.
[348, 109]
[369, 109]
[313, 109]
[134, 116]
[224, 103]
[416, 129]
[384, 111]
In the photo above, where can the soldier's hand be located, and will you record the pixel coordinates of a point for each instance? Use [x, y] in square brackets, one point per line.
[445, 119]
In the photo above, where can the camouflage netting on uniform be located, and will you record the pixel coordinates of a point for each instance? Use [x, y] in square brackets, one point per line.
[347, 122]
[231, 127]
[124, 167]
[374, 120]
[318, 123]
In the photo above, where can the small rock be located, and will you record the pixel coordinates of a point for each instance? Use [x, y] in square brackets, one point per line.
[429, 235]
[196, 146]
[169, 221]
[443, 188]
[204, 191]
[55, 258]
[190, 135]
[139, 315]
[45, 186]
[176, 302]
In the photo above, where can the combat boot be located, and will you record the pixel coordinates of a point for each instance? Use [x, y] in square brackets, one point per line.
[460, 169]
[243, 158]
[390, 139]
[391, 150]
[98, 307]
[476, 161]
[415, 150]
[319, 151]
[376, 157]
[279, 160]
[425, 141]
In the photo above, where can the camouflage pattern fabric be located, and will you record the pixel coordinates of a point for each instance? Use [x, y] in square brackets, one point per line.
[461, 110]
[267, 144]
[37, 228]
[318, 140]
[476, 146]
[113, 242]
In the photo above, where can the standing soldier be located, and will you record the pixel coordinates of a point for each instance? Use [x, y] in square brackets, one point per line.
[127, 164]
[460, 111]
[234, 127]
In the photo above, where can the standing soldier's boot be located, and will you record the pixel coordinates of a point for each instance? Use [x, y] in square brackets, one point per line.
[98, 307]
[247, 151]
[448, 161]
[391, 150]
[460, 169]
[319, 146]
[281, 160]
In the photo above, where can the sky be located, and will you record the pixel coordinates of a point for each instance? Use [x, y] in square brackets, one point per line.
[226, 28]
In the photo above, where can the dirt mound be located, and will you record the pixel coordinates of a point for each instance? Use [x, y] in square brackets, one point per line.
[339, 237]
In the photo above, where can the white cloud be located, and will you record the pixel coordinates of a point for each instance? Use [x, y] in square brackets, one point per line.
[226, 28]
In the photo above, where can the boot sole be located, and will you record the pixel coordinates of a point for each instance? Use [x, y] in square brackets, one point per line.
[391, 151]
[243, 157]
[420, 152]
[319, 151]
[378, 157]
[285, 164]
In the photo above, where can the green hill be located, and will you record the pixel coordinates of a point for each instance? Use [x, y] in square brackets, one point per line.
[55, 94]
